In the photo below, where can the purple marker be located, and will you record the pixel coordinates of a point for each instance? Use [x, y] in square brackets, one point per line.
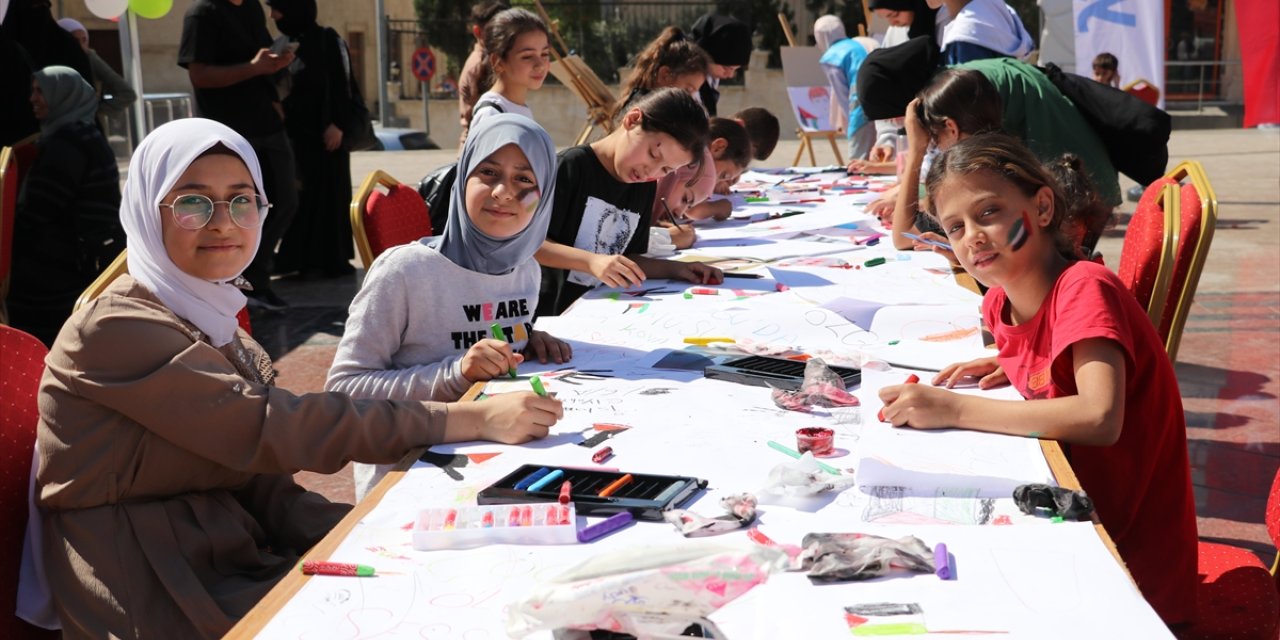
[942, 561]
[605, 527]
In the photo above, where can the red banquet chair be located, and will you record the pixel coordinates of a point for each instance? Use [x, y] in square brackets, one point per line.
[392, 216]
[1238, 598]
[20, 371]
[1166, 246]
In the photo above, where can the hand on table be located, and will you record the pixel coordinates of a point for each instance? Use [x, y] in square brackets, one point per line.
[544, 347]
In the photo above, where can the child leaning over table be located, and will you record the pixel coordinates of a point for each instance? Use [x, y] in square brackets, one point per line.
[419, 329]
[1078, 346]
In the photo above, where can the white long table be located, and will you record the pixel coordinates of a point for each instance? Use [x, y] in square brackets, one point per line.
[1014, 578]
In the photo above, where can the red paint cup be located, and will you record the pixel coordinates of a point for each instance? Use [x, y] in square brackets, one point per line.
[816, 439]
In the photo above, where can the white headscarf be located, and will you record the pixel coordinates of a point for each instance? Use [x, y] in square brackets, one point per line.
[156, 166]
[827, 31]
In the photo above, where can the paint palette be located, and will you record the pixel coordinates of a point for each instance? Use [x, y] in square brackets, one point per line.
[765, 371]
[645, 496]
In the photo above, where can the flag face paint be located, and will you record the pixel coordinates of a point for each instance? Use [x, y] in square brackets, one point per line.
[1020, 232]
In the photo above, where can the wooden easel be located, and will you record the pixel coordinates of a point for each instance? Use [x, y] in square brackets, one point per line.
[806, 137]
[574, 73]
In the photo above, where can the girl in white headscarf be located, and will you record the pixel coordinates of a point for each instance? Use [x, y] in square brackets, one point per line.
[165, 453]
[422, 325]
[66, 228]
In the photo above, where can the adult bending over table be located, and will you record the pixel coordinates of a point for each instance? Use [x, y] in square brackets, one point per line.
[165, 451]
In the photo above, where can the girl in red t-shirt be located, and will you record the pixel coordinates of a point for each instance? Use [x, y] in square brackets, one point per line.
[1082, 351]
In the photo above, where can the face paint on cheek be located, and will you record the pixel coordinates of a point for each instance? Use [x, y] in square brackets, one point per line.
[1020, 232]
[529, 198]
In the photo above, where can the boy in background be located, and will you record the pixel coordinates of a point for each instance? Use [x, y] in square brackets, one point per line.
[762, 129]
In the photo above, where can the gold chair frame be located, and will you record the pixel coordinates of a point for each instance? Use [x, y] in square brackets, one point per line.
[117, 268]
[1184, 292]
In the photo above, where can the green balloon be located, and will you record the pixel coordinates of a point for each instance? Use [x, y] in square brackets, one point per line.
[151, 9]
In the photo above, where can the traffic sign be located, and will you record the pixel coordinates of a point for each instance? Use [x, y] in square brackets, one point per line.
[424, 64]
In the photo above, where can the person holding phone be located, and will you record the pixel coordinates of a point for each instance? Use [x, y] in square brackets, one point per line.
[225, 49]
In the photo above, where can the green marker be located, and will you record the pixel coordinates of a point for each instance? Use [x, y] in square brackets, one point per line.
[757, 199]
[536, 383]
[496, 331]
[874, 262]
[892, 629]
[781, 448]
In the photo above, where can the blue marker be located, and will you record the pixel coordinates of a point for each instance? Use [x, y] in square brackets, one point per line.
[546, 480]
[531, 478]
[927, 241]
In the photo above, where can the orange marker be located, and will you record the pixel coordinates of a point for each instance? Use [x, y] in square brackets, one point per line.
[911, 379]
[614, 486]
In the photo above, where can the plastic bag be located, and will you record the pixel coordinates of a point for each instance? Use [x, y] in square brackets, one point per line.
[821, 388]
[839, 557]
[647, 590]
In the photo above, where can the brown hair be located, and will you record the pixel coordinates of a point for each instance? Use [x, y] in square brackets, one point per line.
[738, 149]
[762, 128]
[965, 96]
[1084, 206]
[1007, 157]
[677, 114]
[500, 35]
[671, 49]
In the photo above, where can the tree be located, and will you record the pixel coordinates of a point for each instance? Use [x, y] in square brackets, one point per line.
[447, 26]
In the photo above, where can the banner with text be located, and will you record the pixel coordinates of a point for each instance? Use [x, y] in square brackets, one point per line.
[1131, 30]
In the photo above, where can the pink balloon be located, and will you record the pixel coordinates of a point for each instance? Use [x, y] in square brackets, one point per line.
[107, 9]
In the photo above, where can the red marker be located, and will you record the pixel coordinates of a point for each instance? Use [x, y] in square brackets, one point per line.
[699, 291]
[451, 519]
[911, 379]
[320, 568]
[602, 455]
[565, 489]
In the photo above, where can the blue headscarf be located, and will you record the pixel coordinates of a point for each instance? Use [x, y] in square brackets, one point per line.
[462, 242]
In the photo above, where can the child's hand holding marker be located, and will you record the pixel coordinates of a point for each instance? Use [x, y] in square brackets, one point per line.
[919, 406]
[509, 418]
[488, 359]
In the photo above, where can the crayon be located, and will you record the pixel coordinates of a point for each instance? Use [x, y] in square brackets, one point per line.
[451, 520]
[614, 486]
[911, 379]
[604, 527]
[565, 490]
[487, 521]
[782, 448]
[942, 561]
[669, 492]
[531, 478]
[704, 341]
[874, 262]
[496, 332]
[536, 383]
[602, 455]
[526, 517]
[702, 291]
[546, 480]
[320, 568]
[513, 517]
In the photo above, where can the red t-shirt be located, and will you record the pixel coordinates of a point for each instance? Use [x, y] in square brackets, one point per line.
[1141, 485]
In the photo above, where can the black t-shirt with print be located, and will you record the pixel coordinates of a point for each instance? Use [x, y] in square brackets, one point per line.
[216, 32]
[592, 211]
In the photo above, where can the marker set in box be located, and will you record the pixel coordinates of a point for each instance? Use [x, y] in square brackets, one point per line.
[462, 527]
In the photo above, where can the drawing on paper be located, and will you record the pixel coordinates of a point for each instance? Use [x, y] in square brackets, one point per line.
[892, 505]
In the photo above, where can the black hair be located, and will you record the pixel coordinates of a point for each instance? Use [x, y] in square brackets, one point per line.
[762, 128]
[965, 96]
[677, 114]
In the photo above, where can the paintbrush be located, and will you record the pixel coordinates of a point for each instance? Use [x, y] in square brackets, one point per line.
[671, 216]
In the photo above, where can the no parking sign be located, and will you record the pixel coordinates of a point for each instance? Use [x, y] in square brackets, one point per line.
[424, 64]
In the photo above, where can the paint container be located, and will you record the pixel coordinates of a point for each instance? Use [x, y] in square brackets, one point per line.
[816, 439]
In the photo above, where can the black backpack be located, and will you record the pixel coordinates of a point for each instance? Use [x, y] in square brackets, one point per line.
[435, 186]
[1135, 133]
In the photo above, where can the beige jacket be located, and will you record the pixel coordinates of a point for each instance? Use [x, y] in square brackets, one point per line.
[165, 470]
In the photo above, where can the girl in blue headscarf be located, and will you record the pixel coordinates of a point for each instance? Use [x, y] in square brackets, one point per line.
[420, 327]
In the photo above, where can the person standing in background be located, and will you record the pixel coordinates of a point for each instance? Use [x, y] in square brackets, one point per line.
[224, 49]
[114, 93]
[1106, 69]
[319, 239]
[727, 40]
[472, 75]
[30, 40]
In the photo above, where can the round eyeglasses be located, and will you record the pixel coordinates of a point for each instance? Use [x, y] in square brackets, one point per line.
[194, 211]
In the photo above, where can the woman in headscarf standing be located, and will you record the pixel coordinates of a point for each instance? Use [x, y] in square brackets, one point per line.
[318, 106]
[422, 325]
[67, 226]
[727, 41]
[166, 454]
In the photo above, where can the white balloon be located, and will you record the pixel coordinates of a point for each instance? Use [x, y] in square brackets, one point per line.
[107, 9]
